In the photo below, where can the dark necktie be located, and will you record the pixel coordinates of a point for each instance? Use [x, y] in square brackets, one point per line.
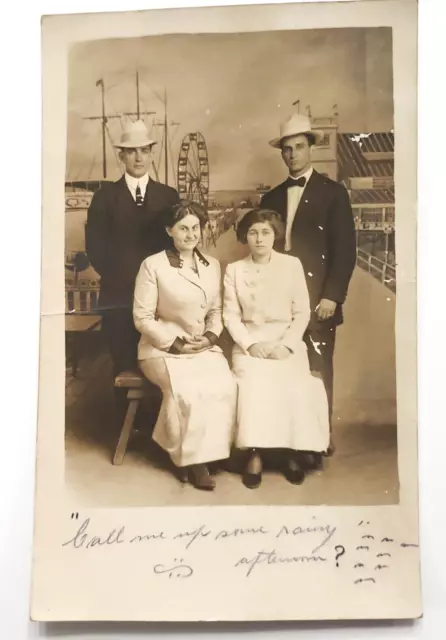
[300, 182]
[139, 198]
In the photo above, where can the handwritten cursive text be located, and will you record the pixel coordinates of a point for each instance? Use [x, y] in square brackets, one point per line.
[270, 557]
[83, 538]
[326, 529]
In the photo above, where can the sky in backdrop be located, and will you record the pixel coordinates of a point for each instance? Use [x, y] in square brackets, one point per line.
[233, 88]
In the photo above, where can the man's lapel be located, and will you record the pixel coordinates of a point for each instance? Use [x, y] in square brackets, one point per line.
[311, 196]
[309, 193]
[124, 198]
[282, 200]
[151, 198]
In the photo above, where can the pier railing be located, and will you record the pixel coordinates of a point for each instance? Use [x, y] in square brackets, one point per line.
[379, 269]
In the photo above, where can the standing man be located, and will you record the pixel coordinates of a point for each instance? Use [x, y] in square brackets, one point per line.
[320, 231]
[123, 228]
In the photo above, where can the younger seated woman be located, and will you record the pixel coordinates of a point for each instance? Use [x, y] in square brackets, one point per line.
[266, 309]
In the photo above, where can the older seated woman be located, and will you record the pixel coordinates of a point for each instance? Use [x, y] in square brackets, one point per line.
[177, 310]
[266, 309]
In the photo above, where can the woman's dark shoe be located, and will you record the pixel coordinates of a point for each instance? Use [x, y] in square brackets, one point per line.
[200, 477]
[252, 476]
[252, 480]
[293, 472]
[312, 461]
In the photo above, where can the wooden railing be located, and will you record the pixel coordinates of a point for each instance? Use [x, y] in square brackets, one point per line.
[81, 299]
[380, 270]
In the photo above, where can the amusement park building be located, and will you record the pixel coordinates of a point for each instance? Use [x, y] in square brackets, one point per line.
[364, 163]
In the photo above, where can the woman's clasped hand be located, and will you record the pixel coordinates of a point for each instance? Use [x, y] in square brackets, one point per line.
[272, 350]
[196, 344]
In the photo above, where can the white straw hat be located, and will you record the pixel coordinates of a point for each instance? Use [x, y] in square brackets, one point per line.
[134, 135]
[295, 125]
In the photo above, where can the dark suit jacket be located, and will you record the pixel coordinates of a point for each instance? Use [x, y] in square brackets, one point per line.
[120, 235]
[323, 238]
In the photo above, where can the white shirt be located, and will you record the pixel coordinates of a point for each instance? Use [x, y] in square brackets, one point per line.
[132, 183]
[294, 194]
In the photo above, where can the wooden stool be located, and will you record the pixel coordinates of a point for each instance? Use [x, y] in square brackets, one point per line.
[137, 386]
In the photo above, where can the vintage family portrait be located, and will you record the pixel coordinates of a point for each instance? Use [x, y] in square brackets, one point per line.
[230, 269]
[228, 313]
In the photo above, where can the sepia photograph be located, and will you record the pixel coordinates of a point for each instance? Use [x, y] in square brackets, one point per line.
[230, 269]
[228, 378]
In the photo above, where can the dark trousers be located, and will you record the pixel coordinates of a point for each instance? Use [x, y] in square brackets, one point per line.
[121, 338]
[324, 341]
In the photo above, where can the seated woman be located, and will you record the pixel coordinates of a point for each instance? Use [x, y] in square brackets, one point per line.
[177, 310]
[266, 309]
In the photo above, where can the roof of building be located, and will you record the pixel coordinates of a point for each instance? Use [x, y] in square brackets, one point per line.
[372, 196]
[351, 160]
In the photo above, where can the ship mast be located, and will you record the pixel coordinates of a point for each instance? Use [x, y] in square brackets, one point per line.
[166, 139]
[137, 95]
[104, 124]
[104, 118]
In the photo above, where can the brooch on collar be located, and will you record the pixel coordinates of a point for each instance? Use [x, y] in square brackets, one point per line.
[201, 258]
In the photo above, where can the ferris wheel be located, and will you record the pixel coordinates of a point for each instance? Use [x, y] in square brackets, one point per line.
[193, 169]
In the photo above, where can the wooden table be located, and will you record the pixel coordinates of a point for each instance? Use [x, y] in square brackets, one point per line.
[76, 325]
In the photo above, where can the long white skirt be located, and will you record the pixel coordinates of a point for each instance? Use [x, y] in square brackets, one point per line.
[280, 404]
[196, 423]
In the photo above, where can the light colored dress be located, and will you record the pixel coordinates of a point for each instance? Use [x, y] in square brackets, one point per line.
[280, 404]
[196, 422]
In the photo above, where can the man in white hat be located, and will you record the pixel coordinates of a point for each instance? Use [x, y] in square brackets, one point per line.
[123, 228]
[320, 231]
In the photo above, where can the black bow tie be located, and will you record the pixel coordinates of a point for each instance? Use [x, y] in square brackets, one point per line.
[300, 182]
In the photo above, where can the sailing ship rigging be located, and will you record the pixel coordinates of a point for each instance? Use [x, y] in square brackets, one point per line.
[191, 177]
